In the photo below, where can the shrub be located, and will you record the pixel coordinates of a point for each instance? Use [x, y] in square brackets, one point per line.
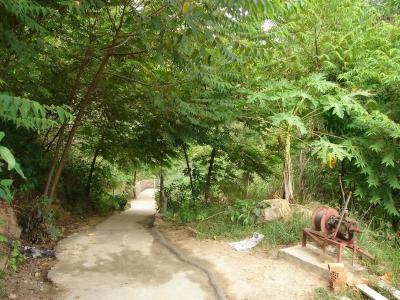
[246, 211]
[39, 221]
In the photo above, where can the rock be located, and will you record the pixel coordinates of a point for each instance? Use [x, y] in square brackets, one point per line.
[37, 274]
[12, 296]
[279, 208]
[304, 211]
[9, 225]
[36, 252]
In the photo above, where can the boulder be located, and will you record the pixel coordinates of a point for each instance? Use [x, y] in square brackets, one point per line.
[278, 208]
[8, 222]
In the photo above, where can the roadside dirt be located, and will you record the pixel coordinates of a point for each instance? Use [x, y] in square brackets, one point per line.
[30, 281]
[247, 275]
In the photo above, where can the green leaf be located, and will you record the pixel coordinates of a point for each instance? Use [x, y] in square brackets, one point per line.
[8, 157]
[290, 120]
[390, 207]
[18, 169]
[388, 159]
[6, 182]
[392, 180]
[6, 194]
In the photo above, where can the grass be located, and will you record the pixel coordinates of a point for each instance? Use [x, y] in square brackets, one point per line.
[385, 246]
[277, 233]
[324, 294]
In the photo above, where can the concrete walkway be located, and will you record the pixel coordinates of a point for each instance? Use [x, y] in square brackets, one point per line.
[121, 259]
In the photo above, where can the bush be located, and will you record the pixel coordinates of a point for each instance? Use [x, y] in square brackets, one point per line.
[38, 221]
[122, 200]
[105, 193]
[246, 211]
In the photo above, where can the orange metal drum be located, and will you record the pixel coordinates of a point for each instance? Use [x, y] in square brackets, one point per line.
[320, 218]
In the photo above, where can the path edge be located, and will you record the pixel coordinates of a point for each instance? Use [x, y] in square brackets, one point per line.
[211, 278]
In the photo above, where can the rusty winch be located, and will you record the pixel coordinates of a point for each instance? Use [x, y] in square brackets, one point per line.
[326, 220]
[328, 227]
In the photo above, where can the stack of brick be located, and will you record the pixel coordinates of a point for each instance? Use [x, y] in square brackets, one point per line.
[337, 276]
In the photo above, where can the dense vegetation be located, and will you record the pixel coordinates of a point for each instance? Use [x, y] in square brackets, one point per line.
[228, 102]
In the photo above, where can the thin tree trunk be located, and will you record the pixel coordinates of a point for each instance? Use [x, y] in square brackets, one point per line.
[92, 166]
[134, 185]
[60, 132]
[163, 199]
[85, 102]
[54, 161]
[287, 172]
[189, 170]
[77, 123]
[209, 175]
[248, 179]
[302, 166]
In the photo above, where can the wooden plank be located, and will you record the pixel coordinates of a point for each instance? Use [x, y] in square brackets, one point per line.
[370, 293]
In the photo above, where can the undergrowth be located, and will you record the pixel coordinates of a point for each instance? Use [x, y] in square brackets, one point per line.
[238, 221]
[384, 245]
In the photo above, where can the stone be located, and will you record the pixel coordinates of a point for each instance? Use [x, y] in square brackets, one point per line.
[9, 225]
[12, 296]
[279, 208]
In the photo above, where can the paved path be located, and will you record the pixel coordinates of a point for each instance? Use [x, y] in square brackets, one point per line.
[121, 259]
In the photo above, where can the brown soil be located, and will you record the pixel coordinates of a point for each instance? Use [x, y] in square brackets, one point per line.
[247, 275]
[30, 281]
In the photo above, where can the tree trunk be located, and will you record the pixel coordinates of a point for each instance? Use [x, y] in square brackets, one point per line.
[209, 175]
[82, 108]
[85, 102]
[134, 185]
[189, 170]
[54, 161]
[287, 172]
[92, 166]
[246, 181]
[302, 166]
[163, 199]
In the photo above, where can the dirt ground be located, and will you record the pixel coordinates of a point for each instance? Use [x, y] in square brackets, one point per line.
[30, 281]
[247, 275]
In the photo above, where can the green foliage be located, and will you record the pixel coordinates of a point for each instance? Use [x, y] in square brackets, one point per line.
[245, 211]
[15, 258]
[5, 184]
[216, 222]
[39, 221]
[106, 203]
[384, 245]
[31, 114]
[266, 86]
[108, 187]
